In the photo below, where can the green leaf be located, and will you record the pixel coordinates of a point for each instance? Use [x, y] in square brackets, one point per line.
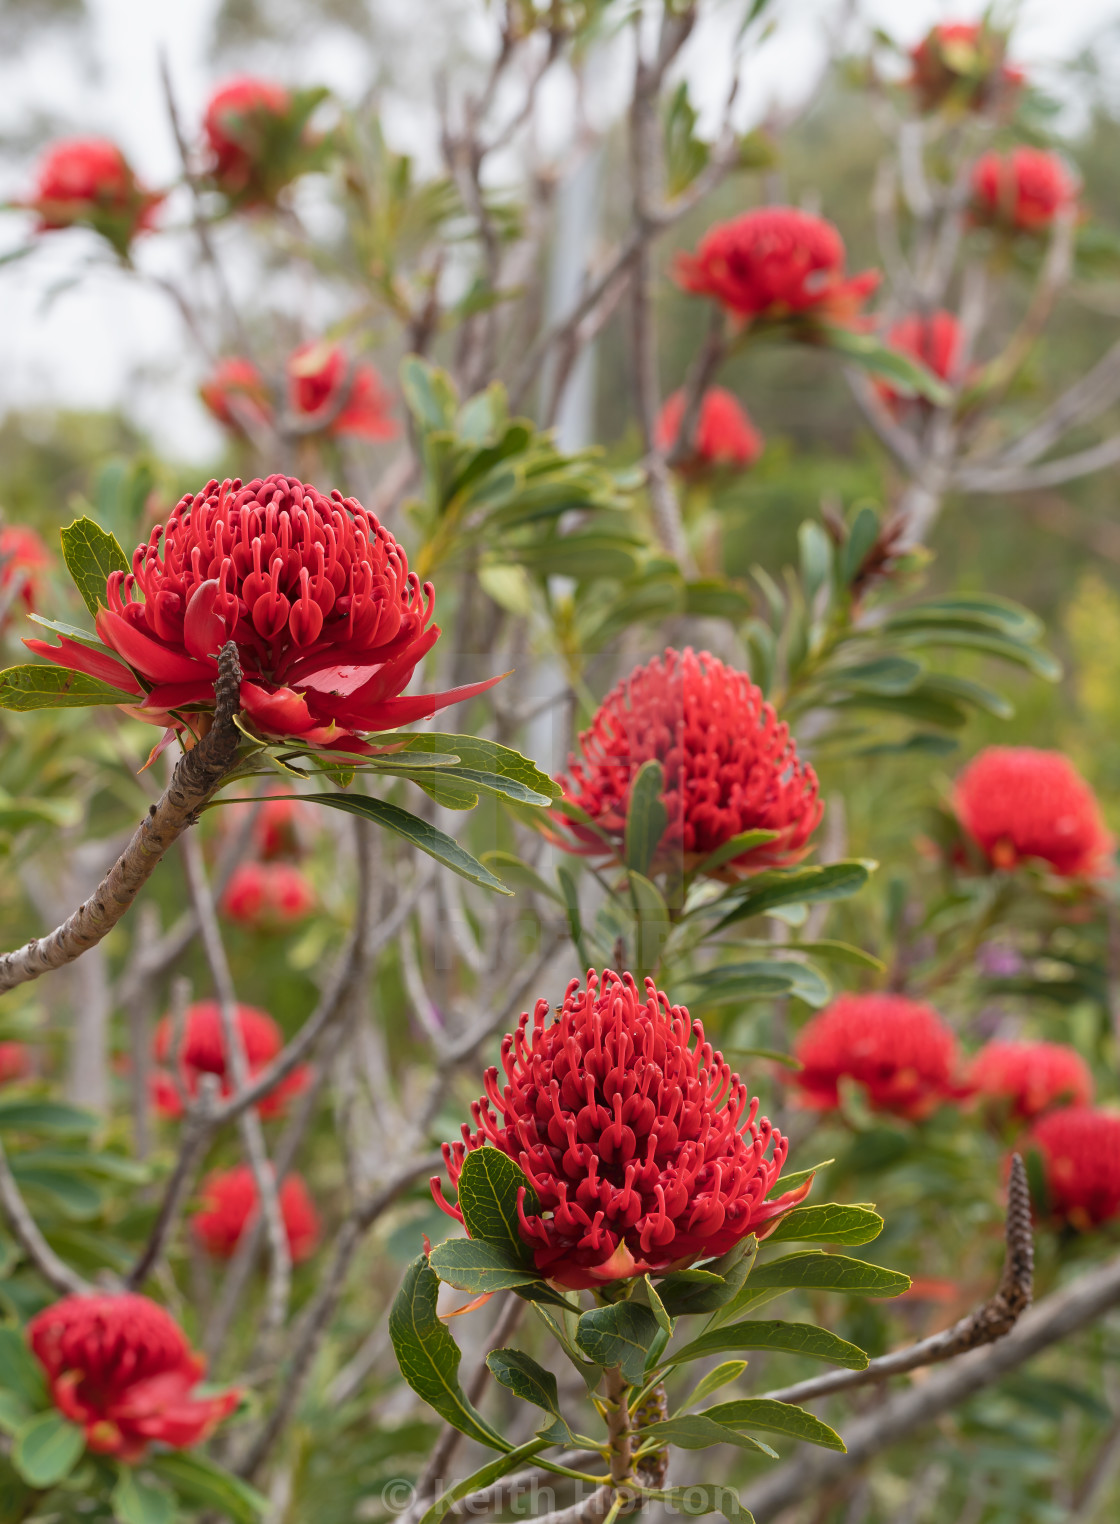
[136, 1501]
[790, 1338]
[46, 1116]
[619, 1334]
[14, 1413]
[839, 952]
[907, 376]
[831, 1222]
[734, 847]
[725, 1278]
[793, 886]
[697, 1431]
[724, 1373]
[885, 675]
[657, 1307]
[795, 1178]
[488, 1188]
[47, 1448]
[497, 768]
[775, 1418]
[814, 1270]
[68, 1191]
[485, 1476]
[20, 1372]
[646, 817]
[91, 553]
[47, 687]
[429, 1357]
[414, 830]
[472, 1265]
[201, 1481]
[815, 549]
[761, 979]
[519, 875]
[428, 393]
[701, 1498]
[521, 1375]
[861, 539]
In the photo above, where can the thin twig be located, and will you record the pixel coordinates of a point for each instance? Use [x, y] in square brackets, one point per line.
[57, 1275]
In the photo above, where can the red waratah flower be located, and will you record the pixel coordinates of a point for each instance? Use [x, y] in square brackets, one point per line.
[230, 1205]
[775, 263]
[1017, 803]
[237, 395]
[899, 1050]
[89, 181]
[351, 398]
[23, 559]
[728, 766]
[203, 1051]
[328, 620]
[1023, 190]
[644, 1151]
[1029, 1078]
[15, 1062]
[962, 62]
[1080, 1151]
[120, 1366]
[268, 895]
[933, 340]
[239, 123]
[725, 436]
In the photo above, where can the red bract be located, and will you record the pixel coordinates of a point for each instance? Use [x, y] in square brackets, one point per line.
[725, 436]
[934, 340]
[962, 62]
[328, 620]
[203, 1051]
[352, 399]
[268, 895]
[899, 1050]
[1018, 803]
[238, 125]
[644, 1151]
[120, 1367]
[728, 764]
[89, 181]
[775, 263]
[230, 1202]
[15, 1062]
[23, 559]
[1023, 190]
[1028, 1078]
[237, 395]
[1080, 1152]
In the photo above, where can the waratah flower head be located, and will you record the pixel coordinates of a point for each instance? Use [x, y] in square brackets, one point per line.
[23, 560]
[1018, 804]
[775, 263]
[229, 1205]
[729, 766]
[268, 896]
[237, 395]
[899, 1050]
[1079, 1148]
[962, 64]
[15, 1062]
[350, 398]
[1029, 1078]
[934, 340]
[120, 1367]
[725, 435]
[202, 1050]
[1023, 190]
[243, 120]
[643, 1149]
[88, 182]
[328, 621]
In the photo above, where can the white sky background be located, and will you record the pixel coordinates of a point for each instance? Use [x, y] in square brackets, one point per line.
[102, 341]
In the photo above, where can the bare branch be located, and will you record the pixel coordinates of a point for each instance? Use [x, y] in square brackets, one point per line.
[1050, 474]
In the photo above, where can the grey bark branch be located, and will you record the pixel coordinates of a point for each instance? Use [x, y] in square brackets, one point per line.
[197, 777]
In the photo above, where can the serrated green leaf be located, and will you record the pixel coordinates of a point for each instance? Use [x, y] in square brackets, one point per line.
[775, 1418]
[646, 817]
[91, 553]
[445, 849]
[489, 1184]
[47, 1448]
[525, 1378]
[619, 1334]
[47, 687]
[472, 1265]
[137, 1501]
[429, 1357]
[192, 1476]
[791, 1338]
[696, 1431]
[830, 1222]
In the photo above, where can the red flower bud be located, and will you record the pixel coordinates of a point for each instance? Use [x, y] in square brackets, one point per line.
[643, 1150]
[725, 435]
[729, 766]
[1023, 190]
[775, 263]
[1080, 1152]
[238, 125]
[268, 895]
[934, 340]
[1028, 1078]
[120, 1366]
[1018, 803]
[237, 395]
[15, 1062]
[963, 63]
[89, 182]
[203, 1051]
[352, 399]
[899, 1050]
[230, 1204]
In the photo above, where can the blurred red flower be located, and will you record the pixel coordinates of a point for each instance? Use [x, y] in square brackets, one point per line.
[239, 122]
[729, 766]
[1080, 1152]
[775, 263]
[328, 621]
[23, 559]
[933, 339]
[88, 182]
[15, 1062]
[237, 395]
[1017, 803]
[1023, 190]
[1029, 1078]
[268, 895]
[203, 1051]
[230, 1204]
[899, 1050]
[963, 63]
[725, 435]
[120, 1366]
[353, 398]
[644, 1151]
